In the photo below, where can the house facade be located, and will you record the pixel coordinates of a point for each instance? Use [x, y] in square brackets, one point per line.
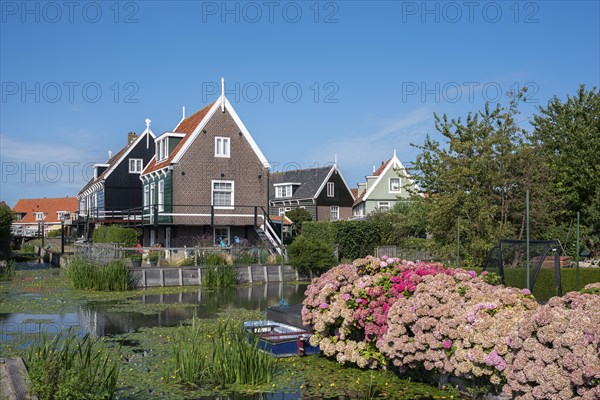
[32, 216]
[323, 192]
[115, 187]
[387, 185]
[207, 181]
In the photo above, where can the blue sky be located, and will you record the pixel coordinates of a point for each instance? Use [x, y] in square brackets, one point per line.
[309, 79]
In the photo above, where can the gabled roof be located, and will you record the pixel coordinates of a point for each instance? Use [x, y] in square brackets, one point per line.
[312, 181]
[185, 126]
[50, 206]
[354, 192]
[393, 162]
[193, 125]
[116, 159]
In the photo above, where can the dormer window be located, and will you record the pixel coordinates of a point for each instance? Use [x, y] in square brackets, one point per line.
[135, 165]
[40, 216]
[162, 149]
[283, 191]
[222, 148]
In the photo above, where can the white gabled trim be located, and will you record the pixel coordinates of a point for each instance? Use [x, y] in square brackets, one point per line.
[335, 168]
[207, 118]
[393, 161]
[247, 134]
[147, 131]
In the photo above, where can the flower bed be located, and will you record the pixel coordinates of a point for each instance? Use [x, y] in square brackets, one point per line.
[377, 312]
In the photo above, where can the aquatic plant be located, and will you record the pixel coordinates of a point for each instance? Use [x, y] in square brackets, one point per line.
[229, 359]
[84, 274]
[71, 367]
[7, 270]
[219, 276]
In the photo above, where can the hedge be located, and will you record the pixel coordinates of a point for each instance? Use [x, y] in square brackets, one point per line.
[355, 239]
[545, 287]
[115, 234]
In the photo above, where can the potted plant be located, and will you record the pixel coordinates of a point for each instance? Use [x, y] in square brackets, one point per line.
[153, 256]
[136, 260]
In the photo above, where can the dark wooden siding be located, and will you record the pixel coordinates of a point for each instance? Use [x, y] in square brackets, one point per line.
[124, 190]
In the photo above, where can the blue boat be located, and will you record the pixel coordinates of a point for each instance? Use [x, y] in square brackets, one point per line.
[279, 339]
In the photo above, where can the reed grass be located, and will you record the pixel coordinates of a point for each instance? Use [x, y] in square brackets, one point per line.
[218, 360]
[7, 270]
[71, 367]
[86, 275]
[219, 276]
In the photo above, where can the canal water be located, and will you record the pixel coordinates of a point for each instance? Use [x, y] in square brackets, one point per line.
[112, 318]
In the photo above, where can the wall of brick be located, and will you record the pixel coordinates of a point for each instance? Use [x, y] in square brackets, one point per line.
[193, 175]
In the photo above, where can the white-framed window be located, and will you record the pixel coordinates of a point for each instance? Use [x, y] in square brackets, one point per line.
[152, 187]
[394, 185]
[18, 217]
[221, 233]
[135, 165]
[222, 147]
[383, 206]
[334, 213]
[283, 191]
[146, 195]
[40, 216]
[283, 210]
[161, 195]
[222, 194]
[330, 189]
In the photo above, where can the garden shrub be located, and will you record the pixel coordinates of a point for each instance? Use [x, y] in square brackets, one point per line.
[425, 317]
[459, 327]
[318, 231]
[308, 255]
[54, 233]
[556, 350]
[127, 237]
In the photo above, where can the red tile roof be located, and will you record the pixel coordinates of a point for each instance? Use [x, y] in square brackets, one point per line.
[354, 192]
[48, 205]
[378, 172]
[380, 169]
[186, 126]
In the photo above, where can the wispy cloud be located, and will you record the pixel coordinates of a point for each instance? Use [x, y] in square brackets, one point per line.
[42, 151]
[357, 153]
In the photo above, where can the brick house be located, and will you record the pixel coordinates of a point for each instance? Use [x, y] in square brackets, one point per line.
[321, 191]
[208, 180]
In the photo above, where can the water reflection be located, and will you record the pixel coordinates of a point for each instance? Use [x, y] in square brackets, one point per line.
[101, 319]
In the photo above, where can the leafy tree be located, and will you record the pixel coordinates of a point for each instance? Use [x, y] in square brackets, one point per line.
[568, 136]
[6, 219]
[481, 174]
[311, 255]
[298, 216]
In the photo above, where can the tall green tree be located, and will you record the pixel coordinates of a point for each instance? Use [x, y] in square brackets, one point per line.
[568, 136]
[481, 173]
[6, 219]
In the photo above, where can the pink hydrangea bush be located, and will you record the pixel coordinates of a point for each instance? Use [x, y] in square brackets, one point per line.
[348, 305]
[455, 323]
[556, 350]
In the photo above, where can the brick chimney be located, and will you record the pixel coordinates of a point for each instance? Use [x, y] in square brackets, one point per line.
[131, 136]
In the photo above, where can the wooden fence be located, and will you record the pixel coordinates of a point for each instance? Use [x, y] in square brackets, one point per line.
[404, 254]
